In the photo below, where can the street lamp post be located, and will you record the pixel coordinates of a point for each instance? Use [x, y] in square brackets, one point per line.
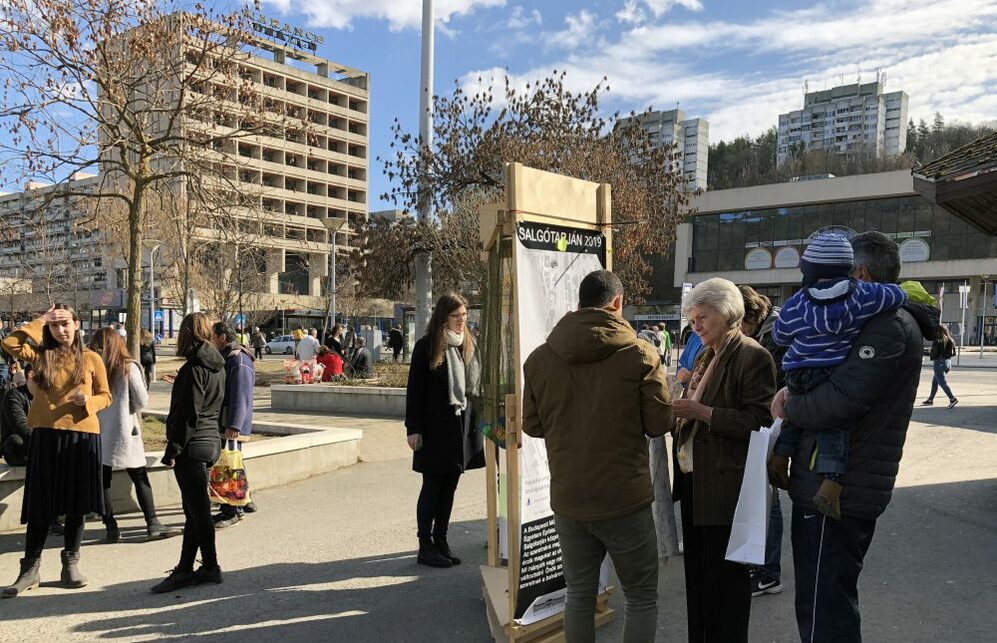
[332, 224]
[983, 311]
[152, 245]
[423, 265]
[963, 304]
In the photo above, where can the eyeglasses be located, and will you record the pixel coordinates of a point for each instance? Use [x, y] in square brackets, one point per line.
[458, 315]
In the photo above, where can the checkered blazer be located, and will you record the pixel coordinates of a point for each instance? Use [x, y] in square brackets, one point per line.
[740, 390]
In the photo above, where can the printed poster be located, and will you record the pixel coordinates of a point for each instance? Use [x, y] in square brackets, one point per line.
[551, 262]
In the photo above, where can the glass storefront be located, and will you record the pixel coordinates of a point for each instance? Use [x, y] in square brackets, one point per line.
[776, 237]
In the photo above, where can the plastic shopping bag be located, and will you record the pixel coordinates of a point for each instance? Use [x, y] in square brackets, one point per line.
[228, 484]
[751, 517]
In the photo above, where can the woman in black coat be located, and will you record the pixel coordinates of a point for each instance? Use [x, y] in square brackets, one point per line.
[445, 373]
[192, 446]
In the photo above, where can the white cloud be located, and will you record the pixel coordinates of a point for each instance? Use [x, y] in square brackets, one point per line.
[943, 54]
[400, 14]
[520, 18]
[580, 30]
[633, 12]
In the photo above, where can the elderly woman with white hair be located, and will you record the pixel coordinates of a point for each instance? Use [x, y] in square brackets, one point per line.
[732, 385]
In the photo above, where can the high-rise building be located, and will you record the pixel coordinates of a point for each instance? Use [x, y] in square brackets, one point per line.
[849, 119]
[48, 244]
[311, 163]
[691, 139]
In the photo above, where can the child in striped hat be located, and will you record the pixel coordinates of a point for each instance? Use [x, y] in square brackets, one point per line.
[819, 324]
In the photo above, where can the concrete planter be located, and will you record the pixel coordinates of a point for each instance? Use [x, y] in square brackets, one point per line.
[339, 400]
[301, 453]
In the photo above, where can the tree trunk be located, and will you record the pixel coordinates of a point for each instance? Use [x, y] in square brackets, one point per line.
[134, 299]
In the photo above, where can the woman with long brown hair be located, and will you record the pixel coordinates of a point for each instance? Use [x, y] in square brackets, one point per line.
[64, 475]
[192, 446]
[121, 433]
[942, 352]
[444, 375]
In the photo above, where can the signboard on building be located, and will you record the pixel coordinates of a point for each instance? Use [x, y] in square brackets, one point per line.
[277, 30]
[787, 257]
[914, 250]
[758, 259]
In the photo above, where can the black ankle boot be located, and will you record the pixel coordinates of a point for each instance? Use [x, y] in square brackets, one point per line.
[443, 547]
[430, 555]
[71, 576]
[113, 532]
[27, 579]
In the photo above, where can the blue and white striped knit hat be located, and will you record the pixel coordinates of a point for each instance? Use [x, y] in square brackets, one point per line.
[829, 256]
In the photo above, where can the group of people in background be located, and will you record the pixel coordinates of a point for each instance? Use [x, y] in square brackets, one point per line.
[77, 409]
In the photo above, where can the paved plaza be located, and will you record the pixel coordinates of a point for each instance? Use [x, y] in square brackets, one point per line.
[333, 558]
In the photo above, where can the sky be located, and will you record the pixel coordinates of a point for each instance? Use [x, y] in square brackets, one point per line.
[738, 64]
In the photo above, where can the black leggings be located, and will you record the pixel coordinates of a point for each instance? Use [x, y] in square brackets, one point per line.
[436, 503]
[199, 530]
[38, 532]
[143, 491]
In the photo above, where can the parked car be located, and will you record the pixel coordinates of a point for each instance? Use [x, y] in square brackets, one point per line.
[281, 345]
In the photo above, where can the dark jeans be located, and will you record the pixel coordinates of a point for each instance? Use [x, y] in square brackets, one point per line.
[199, 530]
[258, 352]
[143, 491]
[436, 503]
[832, 446]
[147, 370]
[34, 541]
[940, 367]
[717, 591]
[633, 546]
[772, 569]
[16, 449]
[827, 559]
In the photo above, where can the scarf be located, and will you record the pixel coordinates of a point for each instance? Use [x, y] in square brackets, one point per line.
[463, 379]
[701, 375]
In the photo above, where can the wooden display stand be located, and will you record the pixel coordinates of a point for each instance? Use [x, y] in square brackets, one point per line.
[536, 197]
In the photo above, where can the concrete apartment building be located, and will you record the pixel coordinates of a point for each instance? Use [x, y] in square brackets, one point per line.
[49, 248]
[757, 235]
[690, 136]
[290, 178]
[846, 119]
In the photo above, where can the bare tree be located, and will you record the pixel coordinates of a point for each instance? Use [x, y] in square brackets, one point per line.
[131, 88]
[548, 127]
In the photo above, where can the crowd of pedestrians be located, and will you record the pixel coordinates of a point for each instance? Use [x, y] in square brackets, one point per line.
[838, 363]
[73, 416]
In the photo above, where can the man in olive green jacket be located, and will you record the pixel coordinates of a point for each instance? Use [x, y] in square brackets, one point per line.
[594, 392]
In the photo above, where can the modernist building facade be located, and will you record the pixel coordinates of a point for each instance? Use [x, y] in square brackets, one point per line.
[49, 245]
[756, 236]
[846, 119]
[690, 136]
[290, 177]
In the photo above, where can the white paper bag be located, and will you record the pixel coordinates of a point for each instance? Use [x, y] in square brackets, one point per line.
[751, 518]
